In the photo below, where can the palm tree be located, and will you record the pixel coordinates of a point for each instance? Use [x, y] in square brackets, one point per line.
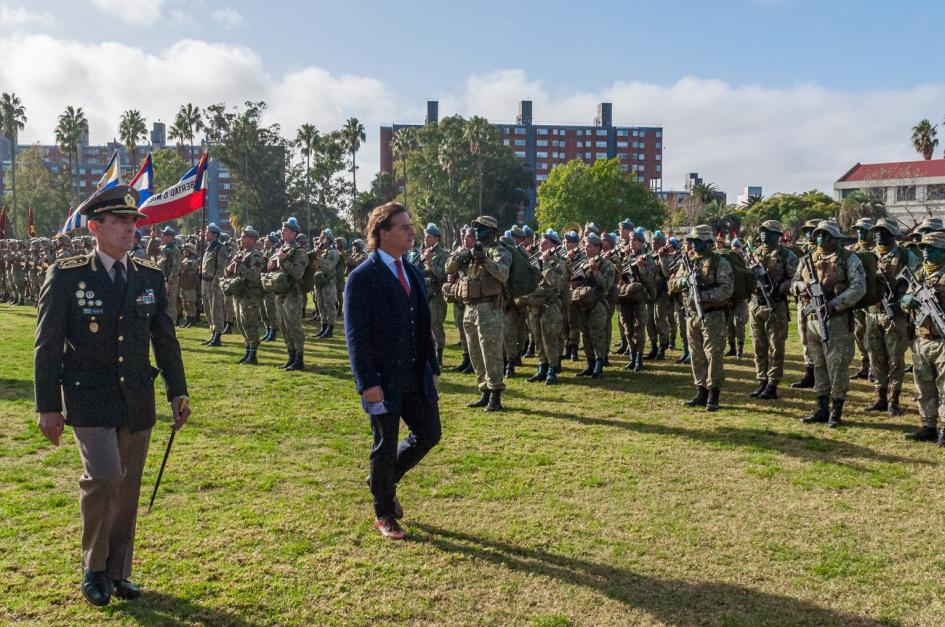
[477, 133]
[751, 201]
[130, 129]
[402, 144]
[705, 192]
[306, 140]
[923, 138]
[353, 134]
[13, 118]
[71, 128]
[178, 133]
[189, 121]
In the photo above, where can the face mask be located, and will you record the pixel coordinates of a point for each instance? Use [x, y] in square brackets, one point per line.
[769, 239]
[700, 246]
[482, 233]
[932, 258]
[826, 243]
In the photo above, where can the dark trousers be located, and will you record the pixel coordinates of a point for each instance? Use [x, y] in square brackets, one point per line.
[391, 460]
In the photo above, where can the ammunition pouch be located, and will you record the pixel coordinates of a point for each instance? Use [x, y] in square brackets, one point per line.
[277, 282]
[584, 297]
[233, 286]
[476, 289]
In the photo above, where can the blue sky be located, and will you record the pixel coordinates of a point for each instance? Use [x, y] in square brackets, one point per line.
[782, 93]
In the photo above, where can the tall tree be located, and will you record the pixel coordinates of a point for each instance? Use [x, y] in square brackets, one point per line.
[130, 130]
[306, 141]
[70, 129]
[13, 118]
[402, 144]
[189, 121]
[353, 135]
[923, 138]
[477, 133]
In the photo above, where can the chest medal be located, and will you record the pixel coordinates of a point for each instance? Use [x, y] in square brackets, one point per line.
[93, 327]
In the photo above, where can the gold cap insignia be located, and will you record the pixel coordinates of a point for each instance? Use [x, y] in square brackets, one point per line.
[130, 200]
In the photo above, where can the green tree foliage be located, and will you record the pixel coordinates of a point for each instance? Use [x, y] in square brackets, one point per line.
[352, 136]
[131, 129]
[792, 210]
[70, 129]
[12, 120]
[382, 190]
[316, 185]
[40, 190]
[923, 138]
[445, 178]
[601, 193]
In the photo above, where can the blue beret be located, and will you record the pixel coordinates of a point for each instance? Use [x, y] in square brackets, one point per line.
[213, 228]
[658, 235]
[674, 242]
[626, 224]
[528, 231]
[169, 231]
[293, 225]
[572, 236]
[554, 237]
[433, 230]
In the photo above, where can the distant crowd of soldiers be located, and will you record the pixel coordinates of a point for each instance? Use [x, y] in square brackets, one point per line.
[520, 294]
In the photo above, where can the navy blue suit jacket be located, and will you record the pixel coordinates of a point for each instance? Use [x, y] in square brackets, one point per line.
[377, 316]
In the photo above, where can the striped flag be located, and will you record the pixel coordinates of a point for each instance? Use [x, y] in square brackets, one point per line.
[185, 196]
[144, 180]
[112, 175]
[74, 222]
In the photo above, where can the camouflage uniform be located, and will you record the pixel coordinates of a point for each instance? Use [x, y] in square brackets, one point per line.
[571, 333]
[592, 321]
[214, 262]
[807, 382]
[229, 302]
[434, 274]
[326, 287]
[859, 315]
[290, 304]
[662, 309]
[545, 309]
[170, 262]
[635, 304]
[249, 264]
[188, 284]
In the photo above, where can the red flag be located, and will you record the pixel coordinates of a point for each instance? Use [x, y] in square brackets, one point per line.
[3, 223]
[32, 228]
[186, 196]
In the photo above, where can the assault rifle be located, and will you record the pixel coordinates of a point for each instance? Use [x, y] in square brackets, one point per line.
[889, 295]
[693, 279]
[928, 301]
[817, 298]
[762, 279]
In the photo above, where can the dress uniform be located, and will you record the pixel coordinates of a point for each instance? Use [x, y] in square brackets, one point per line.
[98, 318]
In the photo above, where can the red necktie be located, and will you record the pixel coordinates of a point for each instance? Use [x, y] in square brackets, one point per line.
[401, 277]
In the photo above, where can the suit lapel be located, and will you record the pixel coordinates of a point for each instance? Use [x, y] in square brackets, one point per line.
[391, 285]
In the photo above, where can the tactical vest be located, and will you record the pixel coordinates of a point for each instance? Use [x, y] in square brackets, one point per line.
[936, 283]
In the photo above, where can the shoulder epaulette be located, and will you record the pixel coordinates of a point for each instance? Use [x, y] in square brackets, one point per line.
[72, 262]
[146, 263]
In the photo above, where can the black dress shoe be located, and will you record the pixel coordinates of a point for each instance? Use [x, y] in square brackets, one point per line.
[124, 589]
[96, 588]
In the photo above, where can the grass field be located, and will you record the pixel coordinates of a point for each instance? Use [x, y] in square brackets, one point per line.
[591, 503]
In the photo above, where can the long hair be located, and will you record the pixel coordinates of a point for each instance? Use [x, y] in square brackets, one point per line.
[380, 218]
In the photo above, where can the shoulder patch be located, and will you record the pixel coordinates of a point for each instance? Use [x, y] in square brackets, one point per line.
[145, 263]
[68, 263]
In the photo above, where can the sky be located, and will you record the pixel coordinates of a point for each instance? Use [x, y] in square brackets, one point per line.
[785, 94]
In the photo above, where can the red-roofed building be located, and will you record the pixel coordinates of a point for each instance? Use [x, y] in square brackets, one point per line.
[911, 190]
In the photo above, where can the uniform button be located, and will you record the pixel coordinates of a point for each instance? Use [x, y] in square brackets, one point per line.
[122, 379]
[121, 338]
[121, 359]
[121, 317]
[77, 384]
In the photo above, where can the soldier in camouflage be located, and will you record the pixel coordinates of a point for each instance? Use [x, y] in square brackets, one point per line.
[864, 244]
[214, 262]
[248, 264]
[188, 284]
[432, 263]
[806, 246]
[590, 287]
[545, 307]
[292, 260]
[169, 261]
[326, 290]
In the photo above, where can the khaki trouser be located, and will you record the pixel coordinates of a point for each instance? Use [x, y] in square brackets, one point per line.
[928, 360]
[886, 344]
[484, 324]
[831, 374]
[769, 331]
[437, 318]
[706, 348]
[213, 303]
[172, 289]
[113, 460]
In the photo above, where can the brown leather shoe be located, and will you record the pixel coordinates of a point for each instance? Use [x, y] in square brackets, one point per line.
[390, 528]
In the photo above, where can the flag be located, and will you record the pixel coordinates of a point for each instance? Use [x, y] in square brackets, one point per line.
[74, 222]
[185, 196]
[3, 223]
[112, 175]
[144, 180]
[32, 228]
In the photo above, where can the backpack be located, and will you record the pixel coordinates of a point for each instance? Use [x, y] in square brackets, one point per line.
[742, 276]
[874, 284]
[307, 282]
[523, 276]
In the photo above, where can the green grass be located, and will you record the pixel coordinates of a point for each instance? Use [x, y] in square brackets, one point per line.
[584, 504]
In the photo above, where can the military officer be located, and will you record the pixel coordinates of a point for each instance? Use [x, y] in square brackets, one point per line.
[99, 314]
[214, 262]
[805, 246]
[843, 282]
[706, 333]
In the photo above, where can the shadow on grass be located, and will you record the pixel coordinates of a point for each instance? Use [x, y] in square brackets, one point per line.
[15, 389]
[805, 447]
[156, 608]
[670, 601]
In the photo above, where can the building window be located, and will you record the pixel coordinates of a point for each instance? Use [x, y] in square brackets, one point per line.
[659, 145]
[601, 144]
[877, 193]
[659, 157]
[642, 133]
[905, 193]
[602, 155]
[519, 130]
[621, 144]
[519, 142]
[659, 168]
[541, 177]
[506, 142]
[83, 183]
[636, 133]
[622, 133]
[542, 166]
[587, 155]
[520, 154]
[623, 156]
[659, 133]
[542, 142]
[505, 129]
[624, 167]
[602, 132]
[932, 192]
[541, 154]
[563, 131]
[542, 131]
[642, 167]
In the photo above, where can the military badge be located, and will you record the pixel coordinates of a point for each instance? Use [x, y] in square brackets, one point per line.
[93, 327]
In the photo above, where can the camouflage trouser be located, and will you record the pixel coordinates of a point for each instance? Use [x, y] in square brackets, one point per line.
[484, 324]
[707, 347]
[592, 325]
[859, 331]
[769, 331]
[326, 298]
[249, 317]
[188, 297]
[737, 319]
[680, 311]
[36, 281]
[611, 310]
[437, 317]
[459, 311]
[339, 295]
[886, 344]
[172, 290]
[290, 321]
[657, 327]
[213, 304]
[928, 369]
[547, 320]
[229, 308]
[831, 375]
[633, 319]
[574, 327]
[802, 334]
[19, 289]
[512, 341]
[270, 312]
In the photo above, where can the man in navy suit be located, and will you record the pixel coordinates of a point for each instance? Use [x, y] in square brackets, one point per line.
[393, 358]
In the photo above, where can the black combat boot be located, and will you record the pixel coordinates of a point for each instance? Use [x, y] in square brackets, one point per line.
[540, 374]
[215, 340]
[251, 358]
[700, 399]
[807, 381]
[289, 361]
[265, 338]
[244, 357]
[328, 332]
[632, 361]
[509, 369]
[893, 409]
[598, 372]
[881, 403]
[529, 350]
[469, 368]
[731, 349]
[495, 401]
[653, 351]
[552, 377]
[482, 402]
[638, 366]
[462, 366]
[740, 351]
[661, 354]
[836, 414]
[621, 347]
[573, 354]
[712, 403]
[588, 371]
[298, 364]
[864, 372]
[925, 434]
[321, 331]
[684, 358]
[770, 392]
[821, 413]
[227, 328]
[207, 341]
[762, 384]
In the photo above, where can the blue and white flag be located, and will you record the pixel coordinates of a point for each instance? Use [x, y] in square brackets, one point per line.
[74, 222]
[112, 175]
[144, 180]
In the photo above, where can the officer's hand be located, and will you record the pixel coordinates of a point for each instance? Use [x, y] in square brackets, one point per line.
[181, 409]
[51, 423]
[373, 394]
[479, 255]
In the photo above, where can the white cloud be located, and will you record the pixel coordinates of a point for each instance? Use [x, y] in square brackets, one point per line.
[11, 17]
[132, 11]
[228, 17]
